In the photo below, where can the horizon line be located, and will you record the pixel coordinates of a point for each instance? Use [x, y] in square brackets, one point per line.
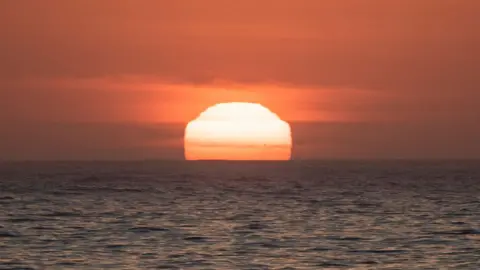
[436, 159]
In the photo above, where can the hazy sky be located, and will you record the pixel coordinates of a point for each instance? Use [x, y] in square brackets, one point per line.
[119, 79]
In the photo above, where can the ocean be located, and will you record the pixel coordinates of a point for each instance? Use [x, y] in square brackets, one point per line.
[240, 215]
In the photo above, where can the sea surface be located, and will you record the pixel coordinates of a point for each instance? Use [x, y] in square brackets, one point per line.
[240, 215]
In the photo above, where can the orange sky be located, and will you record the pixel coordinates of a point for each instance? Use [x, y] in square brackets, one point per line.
[374, 79]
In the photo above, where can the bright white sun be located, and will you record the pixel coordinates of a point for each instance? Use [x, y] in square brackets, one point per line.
[238, 131]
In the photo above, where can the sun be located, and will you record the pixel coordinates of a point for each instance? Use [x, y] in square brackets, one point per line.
[238, 131]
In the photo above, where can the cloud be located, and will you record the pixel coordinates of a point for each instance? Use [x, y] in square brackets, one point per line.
[87, 141]
[398, 46]
[314, 140]
[386, 140]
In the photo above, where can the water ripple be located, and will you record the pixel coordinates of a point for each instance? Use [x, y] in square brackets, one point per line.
[240, 216]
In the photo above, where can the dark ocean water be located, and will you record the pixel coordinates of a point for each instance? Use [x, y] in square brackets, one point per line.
[247, 215]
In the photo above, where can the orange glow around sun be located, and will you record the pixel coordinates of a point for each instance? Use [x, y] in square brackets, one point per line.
[238, 131]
